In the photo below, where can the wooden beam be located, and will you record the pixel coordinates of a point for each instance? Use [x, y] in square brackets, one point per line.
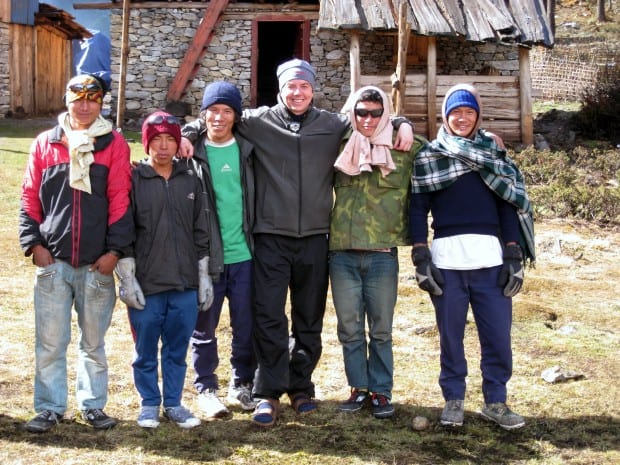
[525, 96]
[354, 58]
[431, 87]
[401, 64]
[191, 62]
[120, 105]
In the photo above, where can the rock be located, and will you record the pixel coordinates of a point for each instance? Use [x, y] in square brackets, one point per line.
[420, 423]
[557, 375]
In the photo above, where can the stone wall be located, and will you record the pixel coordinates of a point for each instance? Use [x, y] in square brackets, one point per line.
[159, 38]
[5, 83]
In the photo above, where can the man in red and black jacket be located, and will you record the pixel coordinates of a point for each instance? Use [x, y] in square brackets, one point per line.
[75, 221]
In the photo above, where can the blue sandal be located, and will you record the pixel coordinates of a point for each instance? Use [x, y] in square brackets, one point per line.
[302, 403]
[266, 412]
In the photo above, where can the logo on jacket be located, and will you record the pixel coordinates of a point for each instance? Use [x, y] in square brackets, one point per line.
[191, 196]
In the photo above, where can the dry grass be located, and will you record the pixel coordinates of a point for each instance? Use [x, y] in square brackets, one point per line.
[567, 315]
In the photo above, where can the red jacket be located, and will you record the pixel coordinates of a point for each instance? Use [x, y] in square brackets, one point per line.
[76, 227]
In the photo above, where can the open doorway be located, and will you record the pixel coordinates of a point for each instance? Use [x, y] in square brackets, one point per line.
[275, 41]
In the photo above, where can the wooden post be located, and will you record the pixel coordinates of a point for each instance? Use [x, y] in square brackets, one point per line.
[354, 59]
[120, 107]
[525, 93]
[431, 87]
[401, 65]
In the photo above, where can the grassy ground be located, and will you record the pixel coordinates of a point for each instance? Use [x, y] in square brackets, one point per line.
[566, 315]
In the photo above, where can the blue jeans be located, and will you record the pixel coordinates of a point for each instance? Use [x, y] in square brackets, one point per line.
[171, 317]
[235, 283]
[493, 315]
[58, 287]
[364, 288]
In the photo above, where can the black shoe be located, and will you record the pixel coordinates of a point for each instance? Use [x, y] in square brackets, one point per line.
[356, 401]
[381, 406]
[44, 421]
[98, 419]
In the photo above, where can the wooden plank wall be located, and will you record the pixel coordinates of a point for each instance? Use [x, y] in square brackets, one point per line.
[499, 94]
[40, 66]
[21, 66]
[53, 69]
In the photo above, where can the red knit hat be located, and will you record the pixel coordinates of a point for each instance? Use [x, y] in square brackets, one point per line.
[160, 122]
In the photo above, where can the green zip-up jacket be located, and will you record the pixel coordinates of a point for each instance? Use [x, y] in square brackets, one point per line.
[371, 211]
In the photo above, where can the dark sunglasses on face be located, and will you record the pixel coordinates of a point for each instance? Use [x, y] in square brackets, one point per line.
[79, 88]
[158, 119]
[362, 112]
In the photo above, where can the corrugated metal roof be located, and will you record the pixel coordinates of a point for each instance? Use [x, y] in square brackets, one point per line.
[508, 21]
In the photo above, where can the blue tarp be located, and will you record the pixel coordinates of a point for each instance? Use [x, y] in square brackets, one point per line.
[92, 55]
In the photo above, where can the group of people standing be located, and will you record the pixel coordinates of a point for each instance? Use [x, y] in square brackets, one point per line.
[239, 205]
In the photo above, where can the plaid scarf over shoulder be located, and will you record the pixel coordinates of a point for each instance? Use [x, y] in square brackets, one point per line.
[442, 161]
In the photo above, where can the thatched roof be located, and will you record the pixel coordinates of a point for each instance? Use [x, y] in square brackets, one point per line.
[509, 21]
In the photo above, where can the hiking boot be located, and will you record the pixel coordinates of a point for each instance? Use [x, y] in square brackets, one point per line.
[381, 406]
[149, 416]
[453, 413]
[356, 401]
[211, 405]
[181, 416]
[502, 415]
[43, 421]
[240, 395]
[98, 419]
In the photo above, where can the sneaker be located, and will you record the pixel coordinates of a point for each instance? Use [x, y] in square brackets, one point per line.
[211, 405]
[98, 419]
[356, 401]
[381, 406]
[181, 416]
[149, 416]
[502, 415]
[43, 421]
[453, 413]
[240, 395]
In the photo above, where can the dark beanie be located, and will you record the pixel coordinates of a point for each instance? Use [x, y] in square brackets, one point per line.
[295, 69]
[461, 98]
[222, 92]
[160, 122]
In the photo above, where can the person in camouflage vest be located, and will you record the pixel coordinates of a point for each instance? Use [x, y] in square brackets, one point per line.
[369, 220]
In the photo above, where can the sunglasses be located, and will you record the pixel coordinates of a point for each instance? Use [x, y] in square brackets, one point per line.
[159, 119]
[362, 112]
[89, 88]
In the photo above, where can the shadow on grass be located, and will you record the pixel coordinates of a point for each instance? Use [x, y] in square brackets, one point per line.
[328, 433]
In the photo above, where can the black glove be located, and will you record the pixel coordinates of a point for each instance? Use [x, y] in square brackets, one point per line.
[427, 275]
[511, 275]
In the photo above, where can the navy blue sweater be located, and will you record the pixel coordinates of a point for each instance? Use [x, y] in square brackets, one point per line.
[467, 206]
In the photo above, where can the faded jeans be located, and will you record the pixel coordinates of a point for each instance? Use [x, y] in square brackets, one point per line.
[58, 288]
[364, 288]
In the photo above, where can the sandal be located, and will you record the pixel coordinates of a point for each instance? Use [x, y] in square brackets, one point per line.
[266, 412]
[302, 403]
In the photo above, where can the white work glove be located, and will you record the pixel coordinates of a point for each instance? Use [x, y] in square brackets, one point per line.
[205, 285]
[129, 289]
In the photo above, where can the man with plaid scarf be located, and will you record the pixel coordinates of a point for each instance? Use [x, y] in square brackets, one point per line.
[483, 234]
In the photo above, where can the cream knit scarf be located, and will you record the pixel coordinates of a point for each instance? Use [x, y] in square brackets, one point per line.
[81, 149]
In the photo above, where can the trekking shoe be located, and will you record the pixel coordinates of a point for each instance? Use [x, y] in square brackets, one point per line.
[381, 406]
[356, 401]
[240, 395]
[149, 416]
[43, 421]
[502, 415]
[453, 413]
[181, 416]
[211, 405]
[98, 419]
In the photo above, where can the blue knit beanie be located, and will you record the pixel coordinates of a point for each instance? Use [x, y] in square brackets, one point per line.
[461, 98]
[295, 69]
[222, 92]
